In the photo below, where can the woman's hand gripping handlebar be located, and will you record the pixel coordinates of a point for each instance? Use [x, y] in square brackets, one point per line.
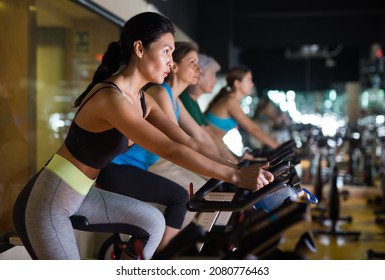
[253, 176]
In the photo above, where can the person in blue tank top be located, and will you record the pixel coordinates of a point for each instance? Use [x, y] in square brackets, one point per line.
[224, 111]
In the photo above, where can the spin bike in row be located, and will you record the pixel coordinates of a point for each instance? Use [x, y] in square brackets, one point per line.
[228, 224]
[254, 230]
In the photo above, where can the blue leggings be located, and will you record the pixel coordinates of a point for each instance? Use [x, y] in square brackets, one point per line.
[42, 217]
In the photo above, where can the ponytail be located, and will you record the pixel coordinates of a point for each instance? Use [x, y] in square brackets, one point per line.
[111, 63]
[233, 74]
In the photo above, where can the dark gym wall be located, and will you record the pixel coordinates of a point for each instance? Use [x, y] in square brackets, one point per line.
[183, 13]
[208, 22]
[272, 70]
[256, 33]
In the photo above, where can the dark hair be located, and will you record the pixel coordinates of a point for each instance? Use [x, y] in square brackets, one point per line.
[146, 27]
[233, 74]
[181, 50]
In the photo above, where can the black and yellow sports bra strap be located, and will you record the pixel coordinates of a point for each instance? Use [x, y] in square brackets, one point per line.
[111, 85]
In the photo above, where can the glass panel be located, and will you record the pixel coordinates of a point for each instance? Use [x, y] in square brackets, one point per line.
[51, 52]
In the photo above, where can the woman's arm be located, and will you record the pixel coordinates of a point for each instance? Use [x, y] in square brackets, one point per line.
[247, 124]
[189, 125]
[222, 147]
[186, 122]
[123, 116]
[161, 97]
[157, 118]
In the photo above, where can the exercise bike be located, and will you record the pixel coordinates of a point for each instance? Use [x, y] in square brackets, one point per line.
[220, 214]
[253, 230]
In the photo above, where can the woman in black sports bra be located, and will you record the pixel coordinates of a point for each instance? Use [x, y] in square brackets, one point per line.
[109, 120]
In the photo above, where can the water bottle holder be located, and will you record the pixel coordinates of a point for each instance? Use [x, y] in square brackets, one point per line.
[311, 198]
[283, 196]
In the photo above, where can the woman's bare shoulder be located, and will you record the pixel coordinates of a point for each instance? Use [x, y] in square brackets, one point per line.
[155, 89]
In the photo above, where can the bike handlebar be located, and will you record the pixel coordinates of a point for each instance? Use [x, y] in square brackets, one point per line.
[197, 202]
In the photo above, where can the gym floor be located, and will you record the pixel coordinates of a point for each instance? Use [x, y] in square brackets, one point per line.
[359, 206]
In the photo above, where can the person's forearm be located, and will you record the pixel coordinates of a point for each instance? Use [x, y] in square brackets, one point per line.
[206, 139]
[201, 162]
[224, 151]
[264, 138]
[206, 151]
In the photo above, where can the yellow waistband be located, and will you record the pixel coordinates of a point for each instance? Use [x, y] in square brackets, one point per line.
[70, 174]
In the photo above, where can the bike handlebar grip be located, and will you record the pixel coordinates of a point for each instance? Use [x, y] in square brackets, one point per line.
[287, 155]
[288, 144]
[284, 147]
[279, 168]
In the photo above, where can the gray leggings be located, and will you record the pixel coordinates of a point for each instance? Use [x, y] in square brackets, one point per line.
[52, 202]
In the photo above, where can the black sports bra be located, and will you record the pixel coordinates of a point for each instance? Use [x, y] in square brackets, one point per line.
[97, 149]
